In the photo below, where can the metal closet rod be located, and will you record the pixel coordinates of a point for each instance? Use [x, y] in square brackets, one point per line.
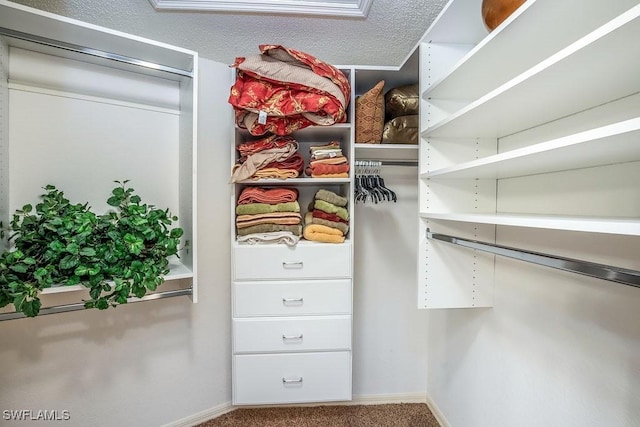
[586, 268]
[80, 306]
[93, 52]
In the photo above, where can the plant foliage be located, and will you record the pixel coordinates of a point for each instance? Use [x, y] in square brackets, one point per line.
[117, 255]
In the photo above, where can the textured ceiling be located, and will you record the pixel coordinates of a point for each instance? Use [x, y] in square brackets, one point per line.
[385, 37]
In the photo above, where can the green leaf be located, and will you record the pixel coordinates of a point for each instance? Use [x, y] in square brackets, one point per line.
[176, 232]
[89, 252]
[40, 273]
[102, 304]
[137, 221]
[114, 201]
[118, 191]
[68, 262]
[19, 268]
[95, 292]
[72, 248]
[82, 270]
[29, 261]
[31, 308]
[56, 246]
[27, 208]
[134, 244]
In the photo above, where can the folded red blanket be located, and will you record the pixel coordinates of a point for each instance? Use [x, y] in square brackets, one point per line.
[295, 162]
[317, 213]
[273, 141]
[322, 169]
[270, 196]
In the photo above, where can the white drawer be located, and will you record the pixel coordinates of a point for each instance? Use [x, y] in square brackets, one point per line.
[278, 334]
[303, 261]
[291, 378]
[292, 298]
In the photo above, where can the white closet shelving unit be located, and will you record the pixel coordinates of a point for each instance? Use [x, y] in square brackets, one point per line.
[549, 93]
[292, 306]
[82, 106]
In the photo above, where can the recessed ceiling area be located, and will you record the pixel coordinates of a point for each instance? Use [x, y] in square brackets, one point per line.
[349, 8]
[385, 37]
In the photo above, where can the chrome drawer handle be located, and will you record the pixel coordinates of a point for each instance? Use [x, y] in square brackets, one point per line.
[291, 337]
[286, 301]
[292, 381]
[292, 264]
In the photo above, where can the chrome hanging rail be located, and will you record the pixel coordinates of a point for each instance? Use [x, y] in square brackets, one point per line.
[80, 306]
[93, 52]
[586, 268]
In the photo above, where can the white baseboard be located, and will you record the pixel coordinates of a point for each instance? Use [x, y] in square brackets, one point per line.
[372, 399]
[437, 413]
[201, 417]
[381, 399]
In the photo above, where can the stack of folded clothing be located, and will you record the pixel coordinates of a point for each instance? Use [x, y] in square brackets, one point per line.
[328, 219]
[327, 161]
[270, 157]
[268, 216]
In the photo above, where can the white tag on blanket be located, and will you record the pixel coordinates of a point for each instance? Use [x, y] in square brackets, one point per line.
[262, 117]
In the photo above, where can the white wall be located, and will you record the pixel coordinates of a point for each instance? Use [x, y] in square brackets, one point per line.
[390, 340]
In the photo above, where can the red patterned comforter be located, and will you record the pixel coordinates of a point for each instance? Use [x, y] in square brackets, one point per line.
[283, 90]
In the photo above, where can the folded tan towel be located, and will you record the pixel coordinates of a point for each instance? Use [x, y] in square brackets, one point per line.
[322, 233]
[310, 219]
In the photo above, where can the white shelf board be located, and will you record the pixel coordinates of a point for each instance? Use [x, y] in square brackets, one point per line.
[615, 143]
[296, 181]
[177, 271]
[531, 46]
[301, 242]
[606, 61]
[321, 133]
[386, 152]
[624, 226]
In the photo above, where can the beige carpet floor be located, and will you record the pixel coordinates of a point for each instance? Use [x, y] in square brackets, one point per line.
[391, 415]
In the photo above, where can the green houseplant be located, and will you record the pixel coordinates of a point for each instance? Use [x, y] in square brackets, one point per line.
[116, 255]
